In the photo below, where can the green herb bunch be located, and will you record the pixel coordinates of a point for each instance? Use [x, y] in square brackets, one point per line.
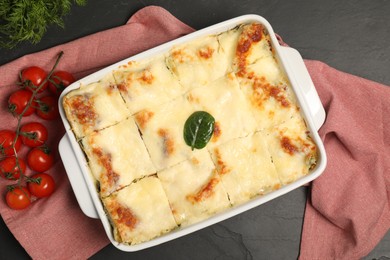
[27, 20]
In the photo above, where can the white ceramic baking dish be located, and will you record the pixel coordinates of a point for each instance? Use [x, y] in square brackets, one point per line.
[289, 59]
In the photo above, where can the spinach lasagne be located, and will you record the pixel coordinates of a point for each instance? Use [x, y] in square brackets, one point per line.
[130, 126]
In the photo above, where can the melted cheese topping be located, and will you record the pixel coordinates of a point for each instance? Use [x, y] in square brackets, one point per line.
[245, 167]
[162, 132]
[146, 84]
[140, 211]
[117, 156]
[199, 62]
[293, 151]
[224, 100]
[194, 189]
[94, 106]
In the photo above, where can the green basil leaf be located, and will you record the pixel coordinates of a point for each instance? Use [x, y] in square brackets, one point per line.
[198, 129]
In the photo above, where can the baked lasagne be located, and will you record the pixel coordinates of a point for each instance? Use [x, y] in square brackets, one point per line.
[130, 126]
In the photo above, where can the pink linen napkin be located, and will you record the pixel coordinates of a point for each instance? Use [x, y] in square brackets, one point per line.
[349, 208]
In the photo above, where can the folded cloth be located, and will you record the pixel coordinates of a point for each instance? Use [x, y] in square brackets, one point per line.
[348, 208]
[58, 219]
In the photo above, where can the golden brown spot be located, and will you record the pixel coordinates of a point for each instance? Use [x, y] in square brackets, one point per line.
[206, 52]
[110, 89]
[111, 177]
[122, 87]
[143, 117]
[275, 92]
[230, 76]
[217, 132]
[205, 192]
[277, 186]
[147, 77]
[191, 98]
[126, 216]
[249, 36]
[194, 161]
[271, 114]
[168, 143]
[180, 56]
[288, 146]
[221, 166]
[83, 109]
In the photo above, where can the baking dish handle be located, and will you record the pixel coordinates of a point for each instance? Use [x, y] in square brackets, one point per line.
[76, 178]
[309, 92]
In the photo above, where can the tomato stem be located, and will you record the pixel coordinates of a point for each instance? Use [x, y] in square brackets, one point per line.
[20, 116]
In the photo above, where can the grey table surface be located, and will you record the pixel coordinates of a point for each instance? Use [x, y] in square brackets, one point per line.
[352, 36]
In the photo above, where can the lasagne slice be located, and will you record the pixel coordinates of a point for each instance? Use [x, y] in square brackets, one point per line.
[140, 211]
[246, 168]
[252, 45]
[144, 84]
[199, 62]
[224, 100]
[194, 189]
[117, 156]
[95, 106]
[270, 104]
[262, 80]
[293, 151]
[162, 131]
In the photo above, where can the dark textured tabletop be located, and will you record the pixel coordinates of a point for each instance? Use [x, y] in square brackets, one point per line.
[352, 36]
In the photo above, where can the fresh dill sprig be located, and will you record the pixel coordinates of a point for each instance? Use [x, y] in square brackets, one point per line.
[28, 20]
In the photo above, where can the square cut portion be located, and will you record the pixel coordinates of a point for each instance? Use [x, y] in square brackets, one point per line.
[144, 84]
[262, 80]
[194, 189]
[271, 105]
[140, 211]
[224, 100]
[199, 62]
[117, 156]
[293, 151]
[162, 131]
[95, 106]
[245, 167]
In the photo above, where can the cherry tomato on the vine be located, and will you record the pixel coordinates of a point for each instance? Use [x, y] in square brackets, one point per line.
[32, 77]
[41, 185]
[33, 134]
[18, 198]
[40, 159]
[59, 80]
[48, 108]
[7, 138]
[9, 168]
[19, 100]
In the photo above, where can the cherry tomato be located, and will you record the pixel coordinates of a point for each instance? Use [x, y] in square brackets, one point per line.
[9, 169]
[48, 108]
[60, 80]
[7, 138]
[33, 134]
[40, 159]
[18, 101]
[18, 198]
[41, 185]
[32, 77]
